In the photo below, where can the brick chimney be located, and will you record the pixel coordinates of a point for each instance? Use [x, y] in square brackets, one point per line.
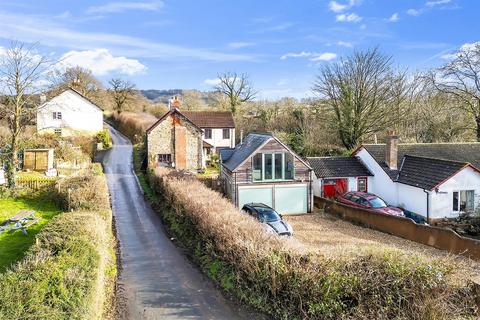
[180, 147]
[174, 103]
[391, 150]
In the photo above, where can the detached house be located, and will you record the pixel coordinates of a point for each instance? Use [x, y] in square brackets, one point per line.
[69, 113]
[430, 180]
[186, 139]
[263, 169]
[218, 130]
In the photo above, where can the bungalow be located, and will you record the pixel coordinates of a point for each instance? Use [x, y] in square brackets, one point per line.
[432, 180]
[69, 113]
[263, 169]
[337, 175]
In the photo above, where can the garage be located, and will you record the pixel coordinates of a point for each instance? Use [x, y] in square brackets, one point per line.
[284, 199]
[255, 194]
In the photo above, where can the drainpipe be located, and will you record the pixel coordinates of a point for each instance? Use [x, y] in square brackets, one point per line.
[428, 206]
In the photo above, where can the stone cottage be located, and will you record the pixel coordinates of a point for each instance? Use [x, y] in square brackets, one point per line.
[175, 141]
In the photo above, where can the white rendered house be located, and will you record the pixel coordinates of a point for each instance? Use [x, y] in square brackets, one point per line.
[431, 180]
[69, 113]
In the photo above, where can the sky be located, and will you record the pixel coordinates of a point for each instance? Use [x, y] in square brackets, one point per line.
[280, 44]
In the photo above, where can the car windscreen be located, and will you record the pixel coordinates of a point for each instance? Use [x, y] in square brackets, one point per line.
[267, 214]
[377, 203]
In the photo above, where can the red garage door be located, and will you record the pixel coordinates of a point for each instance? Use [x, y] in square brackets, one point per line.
[334, 187]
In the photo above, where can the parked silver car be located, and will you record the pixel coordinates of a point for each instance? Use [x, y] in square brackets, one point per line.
[272, 220]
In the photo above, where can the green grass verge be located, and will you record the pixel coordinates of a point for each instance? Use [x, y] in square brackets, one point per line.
[13, 244]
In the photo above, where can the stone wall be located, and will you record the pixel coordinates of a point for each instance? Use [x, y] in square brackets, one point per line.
[161, 140]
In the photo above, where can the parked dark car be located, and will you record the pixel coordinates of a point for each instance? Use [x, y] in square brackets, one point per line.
[270, 218]
[369, 201]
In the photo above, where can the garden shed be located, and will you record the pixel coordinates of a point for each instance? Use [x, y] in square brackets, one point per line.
[38, 159]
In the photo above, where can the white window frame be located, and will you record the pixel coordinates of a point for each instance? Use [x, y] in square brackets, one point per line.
[459, 199]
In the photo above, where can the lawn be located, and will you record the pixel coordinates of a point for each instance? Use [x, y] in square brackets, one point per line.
[13, 244]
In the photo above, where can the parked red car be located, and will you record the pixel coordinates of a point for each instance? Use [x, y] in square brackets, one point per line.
[369, 201]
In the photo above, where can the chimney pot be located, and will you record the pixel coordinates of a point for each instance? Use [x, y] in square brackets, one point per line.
[391, 150]
[175, 103]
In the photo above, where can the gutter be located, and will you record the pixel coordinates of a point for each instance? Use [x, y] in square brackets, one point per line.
[428, 205]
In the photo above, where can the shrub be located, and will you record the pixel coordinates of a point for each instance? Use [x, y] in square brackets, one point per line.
[67, 273]
[104, 137]
[86, 190]
[133, 124]
[279, 277]
[58, 277]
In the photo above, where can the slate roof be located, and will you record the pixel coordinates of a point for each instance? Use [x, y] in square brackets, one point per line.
[242, 151]
[426, 165]
[427, 173]
[330, 167]
[226, 153]
[211, 119]
[462, 152]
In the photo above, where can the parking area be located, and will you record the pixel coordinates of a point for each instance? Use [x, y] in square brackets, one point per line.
[330, 235]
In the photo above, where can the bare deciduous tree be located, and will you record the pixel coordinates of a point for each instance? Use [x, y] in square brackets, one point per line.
[236, 88]
[21, 71]
[122, 91]
[364, 92]
[461, 78]
[78, 78]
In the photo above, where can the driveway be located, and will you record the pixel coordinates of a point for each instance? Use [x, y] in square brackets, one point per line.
[155, 280]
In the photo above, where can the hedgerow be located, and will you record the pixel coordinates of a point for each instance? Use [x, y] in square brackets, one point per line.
[68, 273]
[133, 124]
[280, 277]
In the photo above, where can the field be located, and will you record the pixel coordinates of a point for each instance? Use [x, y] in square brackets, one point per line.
[13, 244]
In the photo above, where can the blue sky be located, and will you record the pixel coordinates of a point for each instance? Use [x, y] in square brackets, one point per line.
[280, 44]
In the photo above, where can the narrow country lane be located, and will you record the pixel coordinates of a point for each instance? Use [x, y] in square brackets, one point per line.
[155, 280]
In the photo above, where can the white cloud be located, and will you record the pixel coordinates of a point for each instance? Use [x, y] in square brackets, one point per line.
[327, 56]
[51, 32]
[296, 55]
[352, 17]
[345, 44]
[340, 7]
[413, 12]
[337, 7]
[124, 6]
[436, 3]
[212, 82]
[101, 62]
[239, 45]
[465, 48]
[312, 56]
[394, 17]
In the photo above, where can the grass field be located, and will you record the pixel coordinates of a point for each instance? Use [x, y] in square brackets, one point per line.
[13, 244]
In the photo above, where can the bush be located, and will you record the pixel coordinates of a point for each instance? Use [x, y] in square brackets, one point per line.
[86, 190]
[67, 273]
[278, 276]
[133, 124]
[104, 137]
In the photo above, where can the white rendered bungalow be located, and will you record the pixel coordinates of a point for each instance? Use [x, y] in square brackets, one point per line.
[430, 180]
